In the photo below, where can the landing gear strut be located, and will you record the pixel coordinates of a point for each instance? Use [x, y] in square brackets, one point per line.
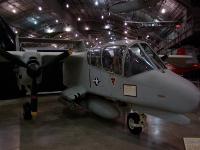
[135, 122]
[27, 111]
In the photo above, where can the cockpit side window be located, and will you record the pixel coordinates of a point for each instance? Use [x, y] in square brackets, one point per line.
[136, 62]
[94, 57]
[112, 58]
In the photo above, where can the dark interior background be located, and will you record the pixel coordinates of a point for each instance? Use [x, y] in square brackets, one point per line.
[51, 81]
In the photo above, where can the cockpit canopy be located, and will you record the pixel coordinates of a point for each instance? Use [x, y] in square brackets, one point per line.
[125, 60]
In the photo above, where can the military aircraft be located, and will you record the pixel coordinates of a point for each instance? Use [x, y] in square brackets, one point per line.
[124, 72]
[183, 62]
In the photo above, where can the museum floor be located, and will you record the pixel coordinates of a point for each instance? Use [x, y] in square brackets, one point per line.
[57, 128]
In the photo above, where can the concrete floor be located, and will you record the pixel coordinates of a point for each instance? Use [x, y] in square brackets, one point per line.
[58, 128]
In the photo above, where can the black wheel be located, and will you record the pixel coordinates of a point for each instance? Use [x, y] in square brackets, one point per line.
[27, 111]
[133, 120]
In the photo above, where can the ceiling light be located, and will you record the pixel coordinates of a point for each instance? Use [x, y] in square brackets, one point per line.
[57, 21]
[87, 43]
[16, 31]
[125, 32]
[76, 35]
[147, 36]
[109, 14]
[163, 10]
[111, 38]
[60, 36]
[87, 28]
[156, 20]
[109, 32]
[31, 35]
[35, 22]
[125, 23]
[102, 17]
[68, 29]
[14, 11]
[54, 45]
[96, 3]
[40, 8]
[99, 42]
[96, 39]
[67, 5]
[49, 30]
[125, 38]
[79, 19]
[107, 26]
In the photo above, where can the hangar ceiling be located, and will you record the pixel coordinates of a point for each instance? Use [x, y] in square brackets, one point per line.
[97, 21]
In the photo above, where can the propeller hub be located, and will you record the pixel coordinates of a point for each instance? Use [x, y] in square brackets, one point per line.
[33, 69]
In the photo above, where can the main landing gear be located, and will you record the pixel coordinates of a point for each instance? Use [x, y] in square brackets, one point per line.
[135, 122]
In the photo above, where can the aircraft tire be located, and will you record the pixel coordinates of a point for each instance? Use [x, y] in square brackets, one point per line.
[27, 111]
[133, 119]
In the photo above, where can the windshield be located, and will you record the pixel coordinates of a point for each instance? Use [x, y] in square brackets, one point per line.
[136, 61]
[153, 56]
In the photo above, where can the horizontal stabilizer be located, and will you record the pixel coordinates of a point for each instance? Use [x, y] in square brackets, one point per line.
[165, 115]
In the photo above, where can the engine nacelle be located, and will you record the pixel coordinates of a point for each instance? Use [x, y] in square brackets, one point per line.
[103, 108]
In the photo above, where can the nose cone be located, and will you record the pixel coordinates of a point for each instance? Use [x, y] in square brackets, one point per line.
[169, 92]
[185, 95]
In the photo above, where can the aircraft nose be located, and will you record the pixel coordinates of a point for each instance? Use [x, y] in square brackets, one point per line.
[187, 93]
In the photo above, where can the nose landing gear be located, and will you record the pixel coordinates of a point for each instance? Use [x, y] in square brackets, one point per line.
[135, 122]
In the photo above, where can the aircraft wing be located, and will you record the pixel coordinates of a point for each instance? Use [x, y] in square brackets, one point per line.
[16, 53]
[45, 55]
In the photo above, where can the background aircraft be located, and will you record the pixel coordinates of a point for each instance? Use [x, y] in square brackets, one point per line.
[101, 79]
[183, 61]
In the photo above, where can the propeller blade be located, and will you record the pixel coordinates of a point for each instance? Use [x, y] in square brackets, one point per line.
[57, 59]
[34, 100]
[14, 59]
